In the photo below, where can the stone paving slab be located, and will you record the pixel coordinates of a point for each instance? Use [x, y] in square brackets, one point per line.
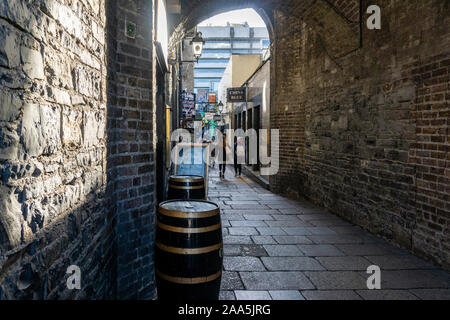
[292, 218]
[344, 263]
[243, 264]
[320, 250]
[366, 249]
[251, 223]
[336, 239]
[251, 212]
[287, 223]
[237, 240]
[247, 203]
[231, 249]
[321, 231]
[291, 264]
[279, 201]
[276, 281]
[348, 230]
[274, 231]
[290, 211]
[263, 240]
[297, 231]
[331, 295]
[227, 295]
[292, 240]
[411, 279]
[432, 294]
[329, 223]
[286, 295]
[281, 205]
[337, 280]
[252, 295]
[226, 223]
[245, 207]
[315, 217]
[243, 231]
[256, 217]
[283, 250]
[232, 216]
[254, 250]
[231, 281]
[399, 262]
[386, 295]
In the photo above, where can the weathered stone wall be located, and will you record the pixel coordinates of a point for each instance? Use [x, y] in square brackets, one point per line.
[367, 135]
[53, 150]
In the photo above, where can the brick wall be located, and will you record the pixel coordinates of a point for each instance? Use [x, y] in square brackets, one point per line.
[130, 145]
[367, 133]
[53, 150]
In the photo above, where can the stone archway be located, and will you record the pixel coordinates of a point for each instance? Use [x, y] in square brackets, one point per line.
[336, 21]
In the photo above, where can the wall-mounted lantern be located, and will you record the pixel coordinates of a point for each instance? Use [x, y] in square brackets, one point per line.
[197, 45]
[220, 105]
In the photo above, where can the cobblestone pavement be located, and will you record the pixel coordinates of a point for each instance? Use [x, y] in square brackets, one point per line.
[281, 249]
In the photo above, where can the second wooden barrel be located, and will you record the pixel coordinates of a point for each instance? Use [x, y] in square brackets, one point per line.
[186, 187]
[188, 251]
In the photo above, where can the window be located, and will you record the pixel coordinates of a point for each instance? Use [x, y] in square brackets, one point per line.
[241, 51]
[217, 45]
[209, 70]
[216, 51]
[265, 43]
[212, 64]
[241, 45]
[209, 55]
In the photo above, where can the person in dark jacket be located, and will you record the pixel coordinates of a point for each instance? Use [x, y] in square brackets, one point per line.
[223, 165]
[237, 158]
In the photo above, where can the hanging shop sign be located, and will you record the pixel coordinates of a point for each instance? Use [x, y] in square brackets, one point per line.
[236, 95]
[188, 103]
[212, 98]
[202, 95]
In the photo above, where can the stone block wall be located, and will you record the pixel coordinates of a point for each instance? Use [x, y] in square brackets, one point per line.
[367, 134]
[53, 150]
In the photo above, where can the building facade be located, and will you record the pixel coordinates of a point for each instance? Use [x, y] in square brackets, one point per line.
[255, 114]
[220, 44]
[239, 69]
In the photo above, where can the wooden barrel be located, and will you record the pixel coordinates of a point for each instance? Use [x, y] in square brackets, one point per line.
[186, 187]
[188, 251]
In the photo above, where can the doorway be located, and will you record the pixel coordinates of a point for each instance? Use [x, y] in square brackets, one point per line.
[257, 126]
[160, 137]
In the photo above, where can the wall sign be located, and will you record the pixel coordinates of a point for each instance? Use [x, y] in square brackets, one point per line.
[236, 95]
[188, 103]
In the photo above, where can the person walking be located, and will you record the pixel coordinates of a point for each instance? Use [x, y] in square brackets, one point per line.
[223, 161]
[213, 153]
[238, 157]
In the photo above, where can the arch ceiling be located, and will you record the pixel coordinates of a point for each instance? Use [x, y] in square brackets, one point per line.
[336, 21]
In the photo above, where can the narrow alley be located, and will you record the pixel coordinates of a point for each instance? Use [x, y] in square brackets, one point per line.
[281, 249]
[111, 112]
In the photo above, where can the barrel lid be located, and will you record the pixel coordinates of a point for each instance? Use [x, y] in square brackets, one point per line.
[189, 206]
[186, 178]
